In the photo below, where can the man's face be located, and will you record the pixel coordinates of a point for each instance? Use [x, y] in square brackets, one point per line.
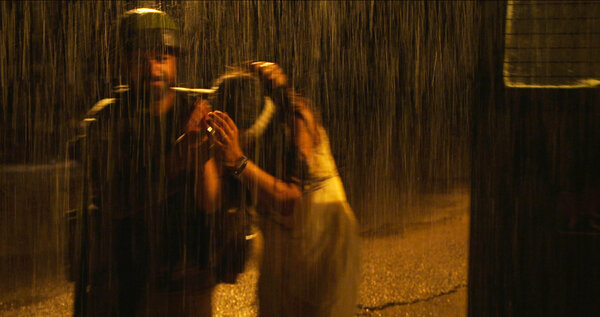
[151, 72]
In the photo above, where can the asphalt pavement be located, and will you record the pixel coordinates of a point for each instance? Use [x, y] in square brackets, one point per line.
[416, 269]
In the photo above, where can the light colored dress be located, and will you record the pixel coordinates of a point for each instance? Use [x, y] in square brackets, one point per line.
[310, 264]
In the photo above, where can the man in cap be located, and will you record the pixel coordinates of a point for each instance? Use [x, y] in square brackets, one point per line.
[145, 230]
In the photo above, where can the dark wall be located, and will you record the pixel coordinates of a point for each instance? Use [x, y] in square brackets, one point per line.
[534, 193]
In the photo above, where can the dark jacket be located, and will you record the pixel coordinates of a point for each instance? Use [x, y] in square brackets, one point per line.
[140, 229]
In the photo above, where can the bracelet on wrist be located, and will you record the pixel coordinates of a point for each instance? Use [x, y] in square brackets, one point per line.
[239, 166]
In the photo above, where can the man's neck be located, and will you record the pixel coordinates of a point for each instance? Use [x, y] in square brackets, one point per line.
[161, 107]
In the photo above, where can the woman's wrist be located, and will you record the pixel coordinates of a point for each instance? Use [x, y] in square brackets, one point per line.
[238, 167]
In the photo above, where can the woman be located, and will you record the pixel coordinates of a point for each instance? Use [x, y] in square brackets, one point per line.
[310, 253]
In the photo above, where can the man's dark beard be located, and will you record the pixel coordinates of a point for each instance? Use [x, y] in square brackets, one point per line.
[149, 93]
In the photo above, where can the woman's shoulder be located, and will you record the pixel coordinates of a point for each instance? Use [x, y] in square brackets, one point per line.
[306, 115]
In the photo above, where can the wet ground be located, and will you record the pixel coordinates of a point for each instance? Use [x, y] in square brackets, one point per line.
[416, 269]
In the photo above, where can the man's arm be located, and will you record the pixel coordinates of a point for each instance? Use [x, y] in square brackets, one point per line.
[208, 188]
[192, 151]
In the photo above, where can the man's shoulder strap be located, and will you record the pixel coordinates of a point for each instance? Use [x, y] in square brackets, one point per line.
[99, 107]
[94, 113]
[74, 145]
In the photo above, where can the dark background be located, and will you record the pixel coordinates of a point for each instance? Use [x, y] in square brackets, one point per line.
[393, 80]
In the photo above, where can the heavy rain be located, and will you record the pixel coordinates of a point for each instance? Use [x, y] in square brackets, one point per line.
[474, 194]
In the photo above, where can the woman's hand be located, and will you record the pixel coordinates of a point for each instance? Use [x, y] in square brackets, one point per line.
[226, 137]
[273, 80]
[270, 74]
